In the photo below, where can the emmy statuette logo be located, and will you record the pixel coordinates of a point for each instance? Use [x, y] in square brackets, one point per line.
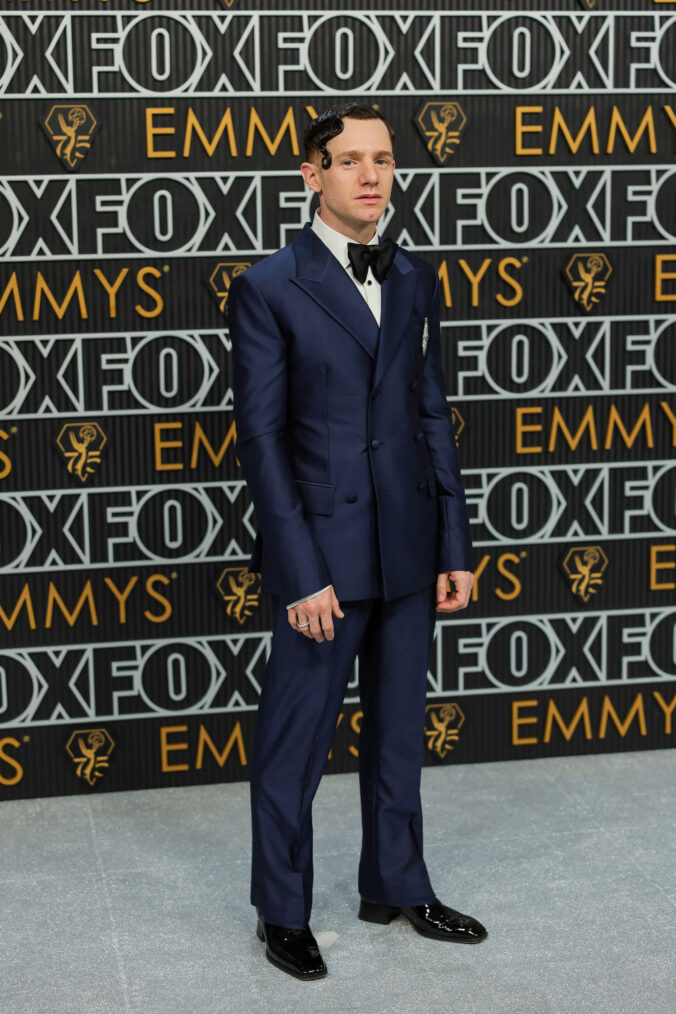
[222, 276]
[584, 567]
[587, 274]
[240, 590]
[441, 124]
[90, 751]
[442, 728]
[70, 128]
[458, 424]
[81, 445]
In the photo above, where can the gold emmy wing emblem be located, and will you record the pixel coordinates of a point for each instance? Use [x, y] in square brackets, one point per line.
[90, 751]
[441, 124]
[221, 277]
[587, 275]
[442, 728]
[70, 129]
[240, 590]
[81, 445]
[584, 567]
[458, 424]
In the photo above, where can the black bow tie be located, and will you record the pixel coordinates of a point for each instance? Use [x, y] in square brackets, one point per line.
[377, 256]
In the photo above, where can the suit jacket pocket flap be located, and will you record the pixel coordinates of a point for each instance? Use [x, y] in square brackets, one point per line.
[317, 497]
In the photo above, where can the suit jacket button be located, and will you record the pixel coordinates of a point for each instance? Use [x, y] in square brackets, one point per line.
[375, 444]
[352, 498]
[422, 485]
[419, 436]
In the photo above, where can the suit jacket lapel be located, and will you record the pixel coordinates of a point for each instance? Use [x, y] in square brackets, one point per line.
[398, 291]
[326, 282]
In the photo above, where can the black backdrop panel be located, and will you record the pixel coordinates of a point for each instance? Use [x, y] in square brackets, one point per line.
[148, 153]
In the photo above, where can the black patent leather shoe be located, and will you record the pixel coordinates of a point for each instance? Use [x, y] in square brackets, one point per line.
[293, 950]
[431, 920]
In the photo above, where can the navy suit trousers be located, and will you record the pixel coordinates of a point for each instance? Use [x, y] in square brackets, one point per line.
[301, 700]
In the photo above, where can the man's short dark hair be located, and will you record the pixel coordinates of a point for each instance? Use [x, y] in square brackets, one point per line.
[329, 124]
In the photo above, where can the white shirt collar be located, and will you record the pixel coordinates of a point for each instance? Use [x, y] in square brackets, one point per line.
[334, 240]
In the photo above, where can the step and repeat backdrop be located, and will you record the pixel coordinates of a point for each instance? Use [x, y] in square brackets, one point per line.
[149, 153]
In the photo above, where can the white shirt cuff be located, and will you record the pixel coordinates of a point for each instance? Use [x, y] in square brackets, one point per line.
[298, 601]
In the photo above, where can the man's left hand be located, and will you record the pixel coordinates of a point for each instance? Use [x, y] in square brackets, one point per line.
[449, 601]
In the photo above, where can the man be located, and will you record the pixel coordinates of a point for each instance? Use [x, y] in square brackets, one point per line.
[346, 441]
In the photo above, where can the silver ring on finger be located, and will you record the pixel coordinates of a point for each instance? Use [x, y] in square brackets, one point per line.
[307, 624]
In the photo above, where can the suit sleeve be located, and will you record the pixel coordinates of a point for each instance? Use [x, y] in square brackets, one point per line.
[259, 354]
[454, 547]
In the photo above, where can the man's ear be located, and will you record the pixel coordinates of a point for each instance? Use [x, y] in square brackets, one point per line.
[310, 173]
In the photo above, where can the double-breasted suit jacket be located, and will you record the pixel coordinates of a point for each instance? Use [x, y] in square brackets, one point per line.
[343, 429]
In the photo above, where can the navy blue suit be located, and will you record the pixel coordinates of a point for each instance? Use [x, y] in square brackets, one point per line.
[346, 441]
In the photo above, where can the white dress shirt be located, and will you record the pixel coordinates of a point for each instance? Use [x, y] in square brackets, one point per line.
[369, 290]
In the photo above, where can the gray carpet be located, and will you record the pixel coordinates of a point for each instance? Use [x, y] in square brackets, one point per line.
[138, 902]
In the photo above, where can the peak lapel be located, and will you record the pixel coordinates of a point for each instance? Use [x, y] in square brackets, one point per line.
[398, 291]
[326, 282]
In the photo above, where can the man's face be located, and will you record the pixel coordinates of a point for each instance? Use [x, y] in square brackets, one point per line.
[355, 191]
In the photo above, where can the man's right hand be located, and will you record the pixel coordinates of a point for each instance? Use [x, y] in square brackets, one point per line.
[319, 611]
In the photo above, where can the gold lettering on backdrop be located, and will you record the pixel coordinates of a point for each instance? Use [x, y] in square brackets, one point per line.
[45, 300]
[169, 745]
[5, 460]
[88, 605]
[475, 278]
[15, 773]
[523, 412]
[355, 725]
[657, 583]
[167, 609]
[663, 275]
[256, 126]
[531, 424]
[161, 444]
[666, 708]
[581, 715]
[519, 719]
[12, 289]
[41, 287]
[166, 463]
[643, 422]
[111, 288]
[587, 424]
[581, 723]
[608, 711]
[24, 601]
[90, 751]
[584, 567]
[501, 565]
[204, 739]
[162, 127]
[559, 125]
[54, 599]
[121, 596]
[193, 125]
[562, 133]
